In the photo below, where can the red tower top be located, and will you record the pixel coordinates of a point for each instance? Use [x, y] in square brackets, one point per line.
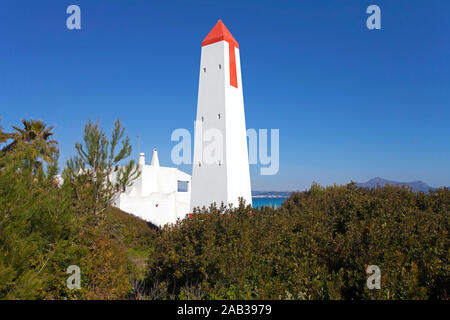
[219, 33]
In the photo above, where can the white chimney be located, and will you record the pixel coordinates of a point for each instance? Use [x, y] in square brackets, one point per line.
[142, 159]
[155, 160]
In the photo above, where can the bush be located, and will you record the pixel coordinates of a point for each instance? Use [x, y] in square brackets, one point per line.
[316, 246]
[44, 229]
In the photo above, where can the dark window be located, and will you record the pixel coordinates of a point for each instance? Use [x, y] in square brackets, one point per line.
[183, 186]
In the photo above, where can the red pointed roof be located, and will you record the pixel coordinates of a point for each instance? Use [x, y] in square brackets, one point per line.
[219, 33]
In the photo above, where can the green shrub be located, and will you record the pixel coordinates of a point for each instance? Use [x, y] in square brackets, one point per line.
[316, 246]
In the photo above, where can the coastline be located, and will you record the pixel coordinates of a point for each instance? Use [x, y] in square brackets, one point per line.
[270, 196]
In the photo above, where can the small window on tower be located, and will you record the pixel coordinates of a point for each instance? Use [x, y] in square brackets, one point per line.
[199, 164]
[218, 116]
[220, 66]
[203, 119]
[219, 163]
[204, 69]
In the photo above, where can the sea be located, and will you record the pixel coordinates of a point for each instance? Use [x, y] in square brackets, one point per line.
[267, 202]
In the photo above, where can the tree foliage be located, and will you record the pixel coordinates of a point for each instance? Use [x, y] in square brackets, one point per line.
[3, 135]
[36, 226]
[43, 232]
[95, 173]
[37, 134]
[316, 246]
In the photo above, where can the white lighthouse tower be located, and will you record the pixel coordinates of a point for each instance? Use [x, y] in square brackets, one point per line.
[220, 170]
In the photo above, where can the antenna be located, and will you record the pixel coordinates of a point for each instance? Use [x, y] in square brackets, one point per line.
[139, 144]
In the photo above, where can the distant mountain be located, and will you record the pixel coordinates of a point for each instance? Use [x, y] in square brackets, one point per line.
[415, 185]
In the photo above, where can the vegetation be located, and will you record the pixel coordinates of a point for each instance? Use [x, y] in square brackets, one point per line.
[37, 134]
[44, 229]
[95, 175]
[3, 135]
[316, 246]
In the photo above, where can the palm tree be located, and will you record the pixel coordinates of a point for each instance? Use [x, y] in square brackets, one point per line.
[3, 136]
[36, 133]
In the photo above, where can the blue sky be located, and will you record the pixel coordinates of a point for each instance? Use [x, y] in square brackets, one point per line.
[350, 103]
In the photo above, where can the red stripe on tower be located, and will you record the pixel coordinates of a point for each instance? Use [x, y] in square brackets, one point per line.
[221, 33]
[233, 71]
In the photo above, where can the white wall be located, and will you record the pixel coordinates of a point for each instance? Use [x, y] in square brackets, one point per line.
[238, 173]
[154, 195]
[209, 181]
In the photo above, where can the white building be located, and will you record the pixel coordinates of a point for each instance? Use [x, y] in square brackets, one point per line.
[223, 175]
[156, 195]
